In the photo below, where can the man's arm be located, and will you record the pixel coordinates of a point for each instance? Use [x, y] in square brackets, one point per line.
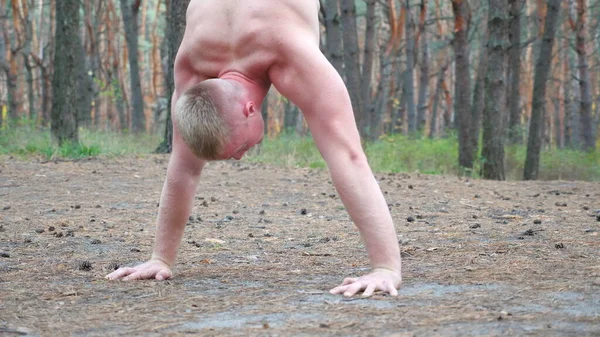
[183, 174]
[306, 78]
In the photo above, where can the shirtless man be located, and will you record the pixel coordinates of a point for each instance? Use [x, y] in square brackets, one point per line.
[231, 53]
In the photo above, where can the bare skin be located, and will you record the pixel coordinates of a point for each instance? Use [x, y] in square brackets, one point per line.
[251, 45]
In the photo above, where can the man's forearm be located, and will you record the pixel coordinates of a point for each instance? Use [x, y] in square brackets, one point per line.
[367, 207]
[175, 206]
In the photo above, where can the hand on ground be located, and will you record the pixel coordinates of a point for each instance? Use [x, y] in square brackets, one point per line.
[385, 280]
[153, 269]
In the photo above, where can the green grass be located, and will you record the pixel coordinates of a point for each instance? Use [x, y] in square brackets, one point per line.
[439, 156]
[26, 141]
[390, 154]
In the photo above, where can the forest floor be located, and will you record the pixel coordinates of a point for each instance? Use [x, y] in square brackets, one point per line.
[265, 244]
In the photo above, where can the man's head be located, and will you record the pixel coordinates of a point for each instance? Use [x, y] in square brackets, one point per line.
[217, 119]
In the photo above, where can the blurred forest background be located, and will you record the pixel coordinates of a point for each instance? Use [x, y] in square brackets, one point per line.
[496, 89]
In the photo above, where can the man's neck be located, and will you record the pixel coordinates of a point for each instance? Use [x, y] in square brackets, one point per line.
[255, 91]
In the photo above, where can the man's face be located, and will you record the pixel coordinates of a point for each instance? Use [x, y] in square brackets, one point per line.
[244, 135]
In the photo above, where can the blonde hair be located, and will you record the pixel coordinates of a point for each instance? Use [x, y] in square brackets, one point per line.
[199, 121]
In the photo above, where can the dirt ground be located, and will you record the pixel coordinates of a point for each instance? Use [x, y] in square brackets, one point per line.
[265, 244]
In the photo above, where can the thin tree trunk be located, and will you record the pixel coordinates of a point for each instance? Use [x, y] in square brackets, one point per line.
[84, 85]
[569, 142]
[3, 64]
[383, 91]
[290, 117]
[479, 92]
[352, 62]
[333, 31]
[130, 21]
[463, 83]
[176, 10]
[9, 66]
[514, 69]
[587, 125]
[423, 104]
[367, 70]
[409, 74]
[495, 96]
[542, 69]
[558, 120]
[92, 21]
[64, 83]
[433, 127]
[26, 52]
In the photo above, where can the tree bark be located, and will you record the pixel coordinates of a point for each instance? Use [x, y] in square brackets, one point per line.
[570, 133]
[587, 124]
[290, 116]
[64, 82]
[130, 21]
[3, 67]
[333, 35]
[542, 69]
[479, 92]
[423, 103]
[84, 83]
[463, 83]
[514, 71]
[176, 10]
[409, 74]
[495, 87]
[352, 62]
[9, 66]
[434, 125]
[367, 70]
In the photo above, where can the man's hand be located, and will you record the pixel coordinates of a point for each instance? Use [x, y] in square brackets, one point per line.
[153, 269]
[380, 279]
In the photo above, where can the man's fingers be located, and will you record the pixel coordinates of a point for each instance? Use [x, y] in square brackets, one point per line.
[392, 289]
[120, 273]
[338, 290]
[163, 275]
[349, 280]
[370, 290]
[353, 289]
[141, 275]
[342, 287]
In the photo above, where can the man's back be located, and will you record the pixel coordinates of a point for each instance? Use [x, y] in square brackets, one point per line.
[242, 35]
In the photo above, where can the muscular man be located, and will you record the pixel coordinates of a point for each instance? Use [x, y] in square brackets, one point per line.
[231, 53]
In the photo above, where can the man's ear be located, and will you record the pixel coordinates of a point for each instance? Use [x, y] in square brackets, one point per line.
[250, 109]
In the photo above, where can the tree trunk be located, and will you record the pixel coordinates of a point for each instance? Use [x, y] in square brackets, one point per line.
[352, 62]
[176, 10]
[264, 112]
[587, 124]
[130, 21]
[495, 95]
[92, 10]
[514, 69]
[84, 85]
[423, 104]
[567, 93]
[9, 66]
[3, 68]
[542, 69]
[409, 74]
[463, 83]
[383, 97]
[64, 82]
[26, 52]
[367, 70]
[290, 116]
[433, 126]
[479, 92]
[333, 31]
